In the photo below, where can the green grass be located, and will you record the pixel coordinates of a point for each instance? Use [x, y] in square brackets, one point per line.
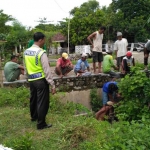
[68, 132]
[18, 132]
[16, 123]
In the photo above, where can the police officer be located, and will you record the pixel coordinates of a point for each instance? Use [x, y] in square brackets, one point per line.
[39, 77]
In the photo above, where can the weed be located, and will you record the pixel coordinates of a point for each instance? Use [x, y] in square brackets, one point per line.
[96, 102]
[80, 132]
[21, 143]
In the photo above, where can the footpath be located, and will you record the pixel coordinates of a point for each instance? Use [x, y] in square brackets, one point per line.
[139, 56]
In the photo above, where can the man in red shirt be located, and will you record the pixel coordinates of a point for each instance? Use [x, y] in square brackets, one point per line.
[63, 66]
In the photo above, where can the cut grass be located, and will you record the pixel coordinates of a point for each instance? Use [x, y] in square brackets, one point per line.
[19, 133]
[15, 123]
[68, 132]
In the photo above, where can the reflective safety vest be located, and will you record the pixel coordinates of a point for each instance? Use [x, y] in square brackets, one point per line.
[33, 64]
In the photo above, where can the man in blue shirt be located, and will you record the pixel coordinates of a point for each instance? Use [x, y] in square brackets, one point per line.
[82, 65]
[109, 91]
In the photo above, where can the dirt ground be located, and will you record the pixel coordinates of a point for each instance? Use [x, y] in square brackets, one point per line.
[139, 56]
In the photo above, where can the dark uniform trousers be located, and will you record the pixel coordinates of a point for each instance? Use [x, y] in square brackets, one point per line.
[39, 101]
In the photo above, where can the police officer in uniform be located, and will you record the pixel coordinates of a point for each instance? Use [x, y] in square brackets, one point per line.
[39, 77]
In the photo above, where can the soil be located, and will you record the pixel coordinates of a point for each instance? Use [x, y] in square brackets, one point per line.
[139, 57]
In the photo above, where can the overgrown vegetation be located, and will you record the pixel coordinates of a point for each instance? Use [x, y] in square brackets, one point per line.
[96, 102]
[78, 132]
[135, 91]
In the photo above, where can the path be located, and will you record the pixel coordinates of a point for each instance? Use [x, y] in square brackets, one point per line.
[137, 55]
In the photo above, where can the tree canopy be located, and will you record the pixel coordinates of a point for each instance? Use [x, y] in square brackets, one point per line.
[4, 29]
[85, 20]
[131, 17]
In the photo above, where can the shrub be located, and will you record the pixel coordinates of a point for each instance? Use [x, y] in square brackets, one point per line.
[135, 91]
[18, 97]
[119, 136]
[21, 143]
[96, 102]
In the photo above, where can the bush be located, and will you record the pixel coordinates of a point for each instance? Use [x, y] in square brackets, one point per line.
[21, 143]
[96, 101]
[18, 97]
[135, 91]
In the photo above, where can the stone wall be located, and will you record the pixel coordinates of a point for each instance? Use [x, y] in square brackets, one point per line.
[81, 83]
[71, 83]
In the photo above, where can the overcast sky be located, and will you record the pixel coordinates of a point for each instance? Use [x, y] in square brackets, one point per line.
[28, 12]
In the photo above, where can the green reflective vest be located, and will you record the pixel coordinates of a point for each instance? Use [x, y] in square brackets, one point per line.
[33, 64]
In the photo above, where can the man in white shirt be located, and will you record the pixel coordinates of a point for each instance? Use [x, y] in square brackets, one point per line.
[120, 48]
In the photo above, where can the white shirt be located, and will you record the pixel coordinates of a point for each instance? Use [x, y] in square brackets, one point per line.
[129, 61]
[147, 45]
[97, 42]
[109, 48]
[121, 47]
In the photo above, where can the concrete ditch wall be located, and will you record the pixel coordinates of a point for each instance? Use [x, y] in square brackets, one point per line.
[81, 97]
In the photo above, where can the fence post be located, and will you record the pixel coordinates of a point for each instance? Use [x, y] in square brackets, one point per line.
[1, 69]
[1, 73]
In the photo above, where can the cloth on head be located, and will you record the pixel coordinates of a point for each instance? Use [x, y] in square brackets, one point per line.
[119, 34]
[84, 55]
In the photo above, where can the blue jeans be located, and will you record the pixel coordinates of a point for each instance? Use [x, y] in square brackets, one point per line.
[83, 67]
[105, 97]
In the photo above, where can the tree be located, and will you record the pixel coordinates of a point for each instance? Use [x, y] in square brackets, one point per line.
[45, 25]
[4, 29]
[85, 20]
[131, 17]
[18, 35]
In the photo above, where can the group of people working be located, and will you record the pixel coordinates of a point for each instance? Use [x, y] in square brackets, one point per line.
[39, 74]
[124, 59]
[64, 65]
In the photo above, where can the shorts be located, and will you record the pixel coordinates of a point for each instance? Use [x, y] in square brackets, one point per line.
[114, 74]
[105, 97]
[97, 56]
[119, 61]
[64, 70]
[15, 76]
